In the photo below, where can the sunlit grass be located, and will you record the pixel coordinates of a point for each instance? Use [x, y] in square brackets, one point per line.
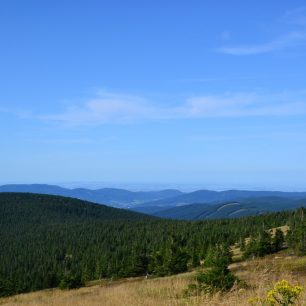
[259, 274]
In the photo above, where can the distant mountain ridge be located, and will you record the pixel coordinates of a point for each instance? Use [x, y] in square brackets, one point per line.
[234, 209]
[212, 197]
[120, 198]
[169, 203]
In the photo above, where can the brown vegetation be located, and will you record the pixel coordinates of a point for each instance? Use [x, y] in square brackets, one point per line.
[259, 275]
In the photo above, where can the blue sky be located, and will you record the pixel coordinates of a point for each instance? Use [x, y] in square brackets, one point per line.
[201, 93]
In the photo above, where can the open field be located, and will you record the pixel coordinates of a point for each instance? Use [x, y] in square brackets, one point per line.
[259, 274]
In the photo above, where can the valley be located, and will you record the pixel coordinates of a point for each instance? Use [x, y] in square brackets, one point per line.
[174, 204]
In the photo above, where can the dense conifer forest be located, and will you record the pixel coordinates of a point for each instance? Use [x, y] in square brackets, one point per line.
[51, 241]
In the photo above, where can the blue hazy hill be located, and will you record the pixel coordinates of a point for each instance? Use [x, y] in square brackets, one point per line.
[109, 196]
[233, 209]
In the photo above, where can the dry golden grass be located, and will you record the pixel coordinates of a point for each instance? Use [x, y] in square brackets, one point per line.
[284, 229]
[259, 274]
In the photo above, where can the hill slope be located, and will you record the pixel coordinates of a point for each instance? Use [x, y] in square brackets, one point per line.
[213, 197]
[235, 209]
[260, 275]
[110, 196]
[31, 209]
[45, 239]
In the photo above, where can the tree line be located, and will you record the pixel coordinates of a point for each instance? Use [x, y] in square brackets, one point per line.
[50, 241]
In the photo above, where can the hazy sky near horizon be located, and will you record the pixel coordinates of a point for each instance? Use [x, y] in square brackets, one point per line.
[172, 91]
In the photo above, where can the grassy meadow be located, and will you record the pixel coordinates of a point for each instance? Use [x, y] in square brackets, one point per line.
[258, 274]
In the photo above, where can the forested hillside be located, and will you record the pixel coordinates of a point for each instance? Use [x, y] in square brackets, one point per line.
[213, 197]
[47, 241]
[235, 209]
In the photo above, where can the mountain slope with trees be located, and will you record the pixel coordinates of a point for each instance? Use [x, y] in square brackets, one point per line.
[235, 209]
[215, 197]
[51, 241]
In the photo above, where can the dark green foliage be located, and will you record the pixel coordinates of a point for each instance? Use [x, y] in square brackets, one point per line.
[178, 258]
[251, 249]
[278, 240]
[297, 235]
[140, 264]
[259, 246]
[71, 281]
[264, 243]
[218, 256]
[6, 288]
[46, 239]
[195, 259]
[218, 277]
[242, 244]
[157, 265]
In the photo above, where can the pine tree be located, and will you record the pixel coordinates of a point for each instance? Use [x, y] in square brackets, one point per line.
[218, 277]
[278, 240]
[157, 264]
[71, 281]
[242, 244]
[178, 260]
[195, 259]
[264, 244]
[219, 256]
[296, 236]
[251, 248]
[6, 288]
[85, 274]
[140, 265]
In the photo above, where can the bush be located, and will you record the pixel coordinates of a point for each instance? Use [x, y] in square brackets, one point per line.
[70, 281]
[282, 294]
[218, 277]
[215, 280]
[6, 288]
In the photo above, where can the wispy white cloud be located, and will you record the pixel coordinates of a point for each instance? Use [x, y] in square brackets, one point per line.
[245, 105]
[290, 40]
[119, 109]
[104, 108]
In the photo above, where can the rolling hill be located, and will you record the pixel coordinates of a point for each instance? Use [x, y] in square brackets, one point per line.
[149, 202]
[110, 196]
[46, 240]
[213, 197]
[31, 209]
[233, 209]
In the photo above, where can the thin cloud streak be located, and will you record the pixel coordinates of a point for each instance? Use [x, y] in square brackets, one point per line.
[118, 109]
[290, 40]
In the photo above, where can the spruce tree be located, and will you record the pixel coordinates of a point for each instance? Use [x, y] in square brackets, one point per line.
[218, 277]
[278, 240]
[264, 244]
[178, 260]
